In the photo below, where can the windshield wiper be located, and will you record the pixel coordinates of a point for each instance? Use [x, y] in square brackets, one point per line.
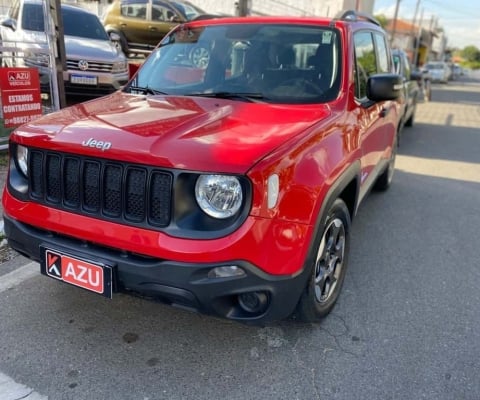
[144, 90]
[252, 97]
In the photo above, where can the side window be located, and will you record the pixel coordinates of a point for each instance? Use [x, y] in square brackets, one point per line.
[160, 13]
[32, 17]
[396, 64]
[137, 9]
[382, 53]
[365, 62]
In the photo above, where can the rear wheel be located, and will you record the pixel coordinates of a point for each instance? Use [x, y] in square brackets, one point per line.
[385, 179]
[330, 263]
[427, 91]
[409, 121]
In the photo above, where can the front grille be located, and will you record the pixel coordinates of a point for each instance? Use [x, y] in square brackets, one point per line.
[125, 193]
[93, 66]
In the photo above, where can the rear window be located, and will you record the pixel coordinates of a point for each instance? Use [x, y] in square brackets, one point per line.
[434, 66]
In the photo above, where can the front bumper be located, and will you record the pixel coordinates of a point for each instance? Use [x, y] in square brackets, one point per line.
[187, 285]
[106, 84]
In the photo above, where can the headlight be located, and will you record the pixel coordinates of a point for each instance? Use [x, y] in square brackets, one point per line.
[37, 60]
[119, 66]
[22, 159]
[219, 196]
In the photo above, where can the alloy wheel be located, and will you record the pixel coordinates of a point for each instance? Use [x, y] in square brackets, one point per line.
[329, 262]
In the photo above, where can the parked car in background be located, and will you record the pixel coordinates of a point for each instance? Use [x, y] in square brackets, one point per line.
[439, 71]
[411, 89]
[141, 24]
[226, 187]
[95, 65]
[424, 79]
[457, 71]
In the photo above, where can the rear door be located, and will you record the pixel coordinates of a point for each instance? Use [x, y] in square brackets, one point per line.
[133, 22]
[163, 18]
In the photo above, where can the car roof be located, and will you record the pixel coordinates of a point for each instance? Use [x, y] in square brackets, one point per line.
[66, 4]
[349, 20]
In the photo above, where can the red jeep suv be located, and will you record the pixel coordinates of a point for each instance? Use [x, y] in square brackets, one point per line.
[224, 183]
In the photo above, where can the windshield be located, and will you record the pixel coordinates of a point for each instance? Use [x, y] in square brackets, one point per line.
[82, 24]
[434, 66]
[265, 62]
[75, 22]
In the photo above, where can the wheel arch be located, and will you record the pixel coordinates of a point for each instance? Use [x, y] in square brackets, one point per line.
[346, 187]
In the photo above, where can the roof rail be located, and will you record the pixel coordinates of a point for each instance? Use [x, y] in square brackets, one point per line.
[352, 15]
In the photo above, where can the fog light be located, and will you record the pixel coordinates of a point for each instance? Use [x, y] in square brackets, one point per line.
[226, 271]
[253, 302]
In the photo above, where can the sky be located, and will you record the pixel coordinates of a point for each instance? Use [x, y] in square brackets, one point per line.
[460, 19]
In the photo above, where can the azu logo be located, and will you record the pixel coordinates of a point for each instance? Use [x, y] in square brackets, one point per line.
[54, 264]
[19, 78]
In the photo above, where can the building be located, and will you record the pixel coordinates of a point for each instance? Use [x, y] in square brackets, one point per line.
[422, 42]
[328, 8]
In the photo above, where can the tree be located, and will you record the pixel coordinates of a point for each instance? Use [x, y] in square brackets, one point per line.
[382, 19]
[471, 54]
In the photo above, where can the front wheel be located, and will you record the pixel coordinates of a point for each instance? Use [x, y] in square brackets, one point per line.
[427, 91]
[329, 266]
[410, 120]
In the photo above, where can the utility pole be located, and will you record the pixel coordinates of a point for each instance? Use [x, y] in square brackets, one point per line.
[412, 33]
[55, 39]
[419, 37]
[394, 23]
[430, 34]
[243, 7]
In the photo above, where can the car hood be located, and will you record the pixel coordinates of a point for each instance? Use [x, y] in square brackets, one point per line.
[91, 49]
[180, 132]
[77, 47]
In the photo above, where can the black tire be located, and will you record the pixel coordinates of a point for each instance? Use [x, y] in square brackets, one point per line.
[411, 119]
[200, 57]
[385, 179]
[427, 92]
[330, 255]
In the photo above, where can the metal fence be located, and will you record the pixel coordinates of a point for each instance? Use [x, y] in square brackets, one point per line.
[31, 55]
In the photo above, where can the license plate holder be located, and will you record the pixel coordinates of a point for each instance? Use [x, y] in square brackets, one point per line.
[77, 270]
[83, 79]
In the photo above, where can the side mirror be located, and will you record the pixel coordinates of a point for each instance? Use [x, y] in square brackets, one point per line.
[10, 23]
[116, 40]
[416, 75]
[381, 87]
[114, 37]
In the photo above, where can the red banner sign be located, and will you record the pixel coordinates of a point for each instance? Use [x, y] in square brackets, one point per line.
[20, 93]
